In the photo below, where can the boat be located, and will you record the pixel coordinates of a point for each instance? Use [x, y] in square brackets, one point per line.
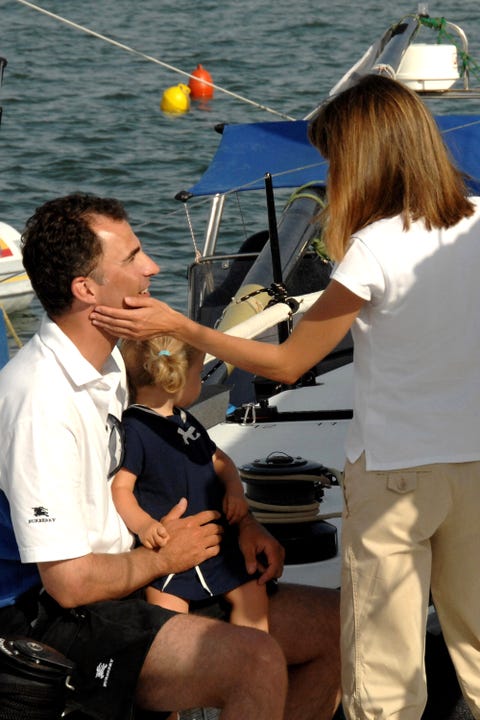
[16, 292]
[287, 441]
[275, 274]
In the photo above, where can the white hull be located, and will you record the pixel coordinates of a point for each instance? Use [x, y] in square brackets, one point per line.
[16, 292]
[321, 441]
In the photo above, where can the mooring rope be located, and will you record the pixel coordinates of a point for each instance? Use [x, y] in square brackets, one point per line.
[9, 326]
[149, 58]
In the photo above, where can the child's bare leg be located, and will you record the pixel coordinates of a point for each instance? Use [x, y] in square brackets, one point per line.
[166, 600]
[249, 605]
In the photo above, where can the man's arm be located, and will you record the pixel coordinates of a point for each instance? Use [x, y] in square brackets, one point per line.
[261, 550]
[102, 576]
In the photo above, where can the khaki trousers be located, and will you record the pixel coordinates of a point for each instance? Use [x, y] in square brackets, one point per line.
[407, 532]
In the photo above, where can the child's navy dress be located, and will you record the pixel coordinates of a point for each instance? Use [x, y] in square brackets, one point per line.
[172, 458]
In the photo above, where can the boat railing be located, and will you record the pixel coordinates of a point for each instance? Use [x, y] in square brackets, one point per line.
[386, 54]
[213, 281]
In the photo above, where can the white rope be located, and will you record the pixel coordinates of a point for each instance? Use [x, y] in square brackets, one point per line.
[9, 326]
[129, 49]
[200, 576]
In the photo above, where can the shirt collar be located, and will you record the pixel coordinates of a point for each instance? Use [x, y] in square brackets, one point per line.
[79, 370]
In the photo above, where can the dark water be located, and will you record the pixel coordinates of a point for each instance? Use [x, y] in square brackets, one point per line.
[79, 113]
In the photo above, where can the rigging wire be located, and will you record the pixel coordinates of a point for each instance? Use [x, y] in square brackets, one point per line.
[149, 58]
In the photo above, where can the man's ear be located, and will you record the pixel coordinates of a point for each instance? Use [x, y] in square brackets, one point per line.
[84, 289]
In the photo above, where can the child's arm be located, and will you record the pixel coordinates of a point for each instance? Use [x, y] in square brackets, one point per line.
[235, 505]
[151, 532]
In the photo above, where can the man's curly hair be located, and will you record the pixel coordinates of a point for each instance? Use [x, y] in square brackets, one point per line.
[58, 245]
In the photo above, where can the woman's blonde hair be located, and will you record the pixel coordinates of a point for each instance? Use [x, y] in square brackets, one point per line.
[162, 361]
[386, 157]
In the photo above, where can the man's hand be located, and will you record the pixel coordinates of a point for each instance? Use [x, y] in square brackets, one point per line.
[255, 542]
[192, 539]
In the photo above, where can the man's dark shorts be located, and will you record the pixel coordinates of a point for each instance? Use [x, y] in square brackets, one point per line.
[108, 641]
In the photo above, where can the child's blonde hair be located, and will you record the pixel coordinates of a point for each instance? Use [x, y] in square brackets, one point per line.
[163, 361]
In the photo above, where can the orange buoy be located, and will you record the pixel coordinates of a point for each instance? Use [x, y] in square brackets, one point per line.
[198, 83]
[176, 99]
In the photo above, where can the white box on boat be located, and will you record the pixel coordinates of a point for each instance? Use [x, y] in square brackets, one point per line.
[429, 67]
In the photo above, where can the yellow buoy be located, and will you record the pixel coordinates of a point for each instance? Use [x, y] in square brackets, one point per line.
[176, 99]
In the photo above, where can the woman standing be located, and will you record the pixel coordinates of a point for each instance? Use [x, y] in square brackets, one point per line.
[406, 238]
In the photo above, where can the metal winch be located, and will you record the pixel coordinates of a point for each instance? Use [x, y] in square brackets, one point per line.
[284, 493]
[33, 680]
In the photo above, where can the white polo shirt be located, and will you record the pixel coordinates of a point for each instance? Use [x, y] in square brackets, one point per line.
[55, 449]
[417, 343]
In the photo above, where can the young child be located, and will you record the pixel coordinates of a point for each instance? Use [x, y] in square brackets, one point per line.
[169, 455]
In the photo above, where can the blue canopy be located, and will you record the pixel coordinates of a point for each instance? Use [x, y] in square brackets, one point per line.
[248, 151]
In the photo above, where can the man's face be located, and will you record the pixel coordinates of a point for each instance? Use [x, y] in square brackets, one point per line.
[124, 269]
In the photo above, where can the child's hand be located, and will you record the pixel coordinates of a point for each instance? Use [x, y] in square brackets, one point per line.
[235, 508]
[153, 535]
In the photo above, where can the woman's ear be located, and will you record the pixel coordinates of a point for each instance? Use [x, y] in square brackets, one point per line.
[84, 289]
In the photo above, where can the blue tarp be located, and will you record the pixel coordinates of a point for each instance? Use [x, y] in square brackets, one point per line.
[4, 355]
[248, 151]
[462, 135]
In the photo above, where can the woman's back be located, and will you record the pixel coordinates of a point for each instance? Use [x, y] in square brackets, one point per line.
[416, 340]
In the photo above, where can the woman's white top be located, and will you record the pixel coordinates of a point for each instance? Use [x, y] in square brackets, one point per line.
[417, 343]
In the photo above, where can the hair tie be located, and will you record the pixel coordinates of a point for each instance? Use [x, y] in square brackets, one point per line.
[164, 352]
